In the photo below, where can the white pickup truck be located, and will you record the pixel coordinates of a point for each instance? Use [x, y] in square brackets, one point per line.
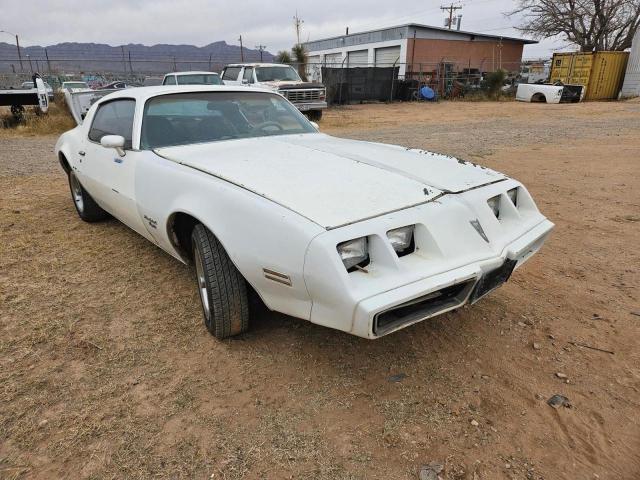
[308, 97]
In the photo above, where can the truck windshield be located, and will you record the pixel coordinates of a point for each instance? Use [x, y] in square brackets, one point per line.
[199, 79]
[277, 74]
[198, 117]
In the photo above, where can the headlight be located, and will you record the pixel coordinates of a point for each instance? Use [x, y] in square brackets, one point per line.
[401, 239]
[353, 252]
[513, 195]
[494, 204]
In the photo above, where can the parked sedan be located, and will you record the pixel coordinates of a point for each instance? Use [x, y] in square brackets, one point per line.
[362, 237]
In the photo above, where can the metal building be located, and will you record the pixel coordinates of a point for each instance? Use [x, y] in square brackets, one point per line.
[416, 48]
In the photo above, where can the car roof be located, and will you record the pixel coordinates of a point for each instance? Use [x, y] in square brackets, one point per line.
[191, 72]
[258, 65]
[144, 93]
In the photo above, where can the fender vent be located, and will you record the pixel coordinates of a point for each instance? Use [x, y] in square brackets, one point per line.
[277, 276]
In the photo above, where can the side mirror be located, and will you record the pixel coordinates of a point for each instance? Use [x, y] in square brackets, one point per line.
[315, 125]
[114, 141]
[245, 81]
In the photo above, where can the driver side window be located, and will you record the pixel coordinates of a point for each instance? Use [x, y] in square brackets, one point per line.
[114, 118]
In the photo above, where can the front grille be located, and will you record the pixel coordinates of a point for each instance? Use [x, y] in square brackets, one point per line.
[304, 95]
[422, 307]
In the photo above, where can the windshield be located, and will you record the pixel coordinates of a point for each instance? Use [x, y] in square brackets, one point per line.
[274, 74]
[197, 117]
[75, 85]
[199, 79]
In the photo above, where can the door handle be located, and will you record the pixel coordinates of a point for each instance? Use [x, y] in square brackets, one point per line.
[81, 153]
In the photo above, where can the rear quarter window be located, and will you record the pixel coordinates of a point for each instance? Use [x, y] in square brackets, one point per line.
[231, 73]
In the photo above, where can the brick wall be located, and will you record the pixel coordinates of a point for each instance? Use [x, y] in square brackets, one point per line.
[482, 55]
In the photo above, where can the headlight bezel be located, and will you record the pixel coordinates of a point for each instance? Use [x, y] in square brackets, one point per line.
[402, 239]
[494, 205]
[348, 252]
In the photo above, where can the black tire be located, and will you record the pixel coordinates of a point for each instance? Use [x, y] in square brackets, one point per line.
[314, 115]
[88, 210]
[223, 290]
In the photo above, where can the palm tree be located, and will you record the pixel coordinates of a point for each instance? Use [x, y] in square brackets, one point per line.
[300, 54]
[283, 57]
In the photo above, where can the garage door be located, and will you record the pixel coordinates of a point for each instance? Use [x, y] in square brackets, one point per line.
[333, 59]
[358, 58]
[386, 56]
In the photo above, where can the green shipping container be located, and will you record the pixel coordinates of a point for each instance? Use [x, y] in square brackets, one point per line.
[601, 73]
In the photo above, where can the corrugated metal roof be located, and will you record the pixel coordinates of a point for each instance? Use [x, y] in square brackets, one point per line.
[403, 31]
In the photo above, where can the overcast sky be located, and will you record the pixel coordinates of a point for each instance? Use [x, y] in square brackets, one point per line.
[199, 22]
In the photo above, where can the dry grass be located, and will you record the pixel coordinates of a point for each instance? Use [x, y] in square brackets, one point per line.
[56, 121]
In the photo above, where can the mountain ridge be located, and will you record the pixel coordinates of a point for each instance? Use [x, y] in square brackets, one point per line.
[127, 58]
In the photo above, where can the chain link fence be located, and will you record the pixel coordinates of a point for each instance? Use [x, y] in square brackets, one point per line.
[346, 82]
[359, 82]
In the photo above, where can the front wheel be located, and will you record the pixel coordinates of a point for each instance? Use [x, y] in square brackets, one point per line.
[88, 210]
[223, 290]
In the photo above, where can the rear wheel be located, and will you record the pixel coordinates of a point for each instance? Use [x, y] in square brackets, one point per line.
[222, 289]
[88, 210]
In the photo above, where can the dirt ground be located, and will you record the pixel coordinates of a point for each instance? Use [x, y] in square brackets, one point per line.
[107, 371]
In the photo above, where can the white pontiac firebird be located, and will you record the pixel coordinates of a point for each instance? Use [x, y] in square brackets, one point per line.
[362, 237]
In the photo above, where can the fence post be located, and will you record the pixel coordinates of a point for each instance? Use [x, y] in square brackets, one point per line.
[341, 79]
[393, 71]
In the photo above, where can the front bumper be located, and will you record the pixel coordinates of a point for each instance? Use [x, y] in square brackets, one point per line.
[463, 284]
[453, 264]
[307, 106]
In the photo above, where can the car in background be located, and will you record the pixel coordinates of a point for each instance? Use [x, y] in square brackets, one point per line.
[31, 84]
[192, 78]
[74, 86]
[308, 97]
[114, 86]
[151, 81]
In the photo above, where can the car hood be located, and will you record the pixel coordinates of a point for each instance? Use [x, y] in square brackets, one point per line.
[332, 181]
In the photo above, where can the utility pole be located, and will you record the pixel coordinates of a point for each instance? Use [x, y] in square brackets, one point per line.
[17, 46]
[46, 54]
[241, 50]
[30, 64]
[124, 62]
[297, 22]
[452, 8]
[19, 54]
[261, 49]
[130, 67]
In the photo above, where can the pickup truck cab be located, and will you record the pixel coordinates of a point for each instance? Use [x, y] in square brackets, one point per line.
[191, 78]
[308, 97]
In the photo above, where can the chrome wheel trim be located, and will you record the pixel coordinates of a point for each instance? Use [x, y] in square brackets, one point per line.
[76, 193]
[202, 285]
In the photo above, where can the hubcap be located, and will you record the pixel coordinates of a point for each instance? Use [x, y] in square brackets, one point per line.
[202, 285]
[76, 193]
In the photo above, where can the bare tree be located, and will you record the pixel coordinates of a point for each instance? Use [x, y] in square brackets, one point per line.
[591, 24]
